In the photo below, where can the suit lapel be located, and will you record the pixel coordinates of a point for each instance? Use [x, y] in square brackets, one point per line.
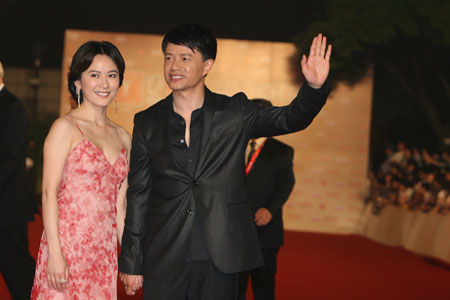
[164, 119]
[209, 111]
[210, 108]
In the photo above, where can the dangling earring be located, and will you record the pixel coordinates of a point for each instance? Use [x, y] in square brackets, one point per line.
[78, 98]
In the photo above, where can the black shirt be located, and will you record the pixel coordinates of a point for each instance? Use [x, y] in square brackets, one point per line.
[186, 158]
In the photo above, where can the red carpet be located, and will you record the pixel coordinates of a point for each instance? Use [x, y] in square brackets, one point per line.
[322, 266]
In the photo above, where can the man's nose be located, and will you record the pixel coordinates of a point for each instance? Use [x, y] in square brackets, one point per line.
[176, 64]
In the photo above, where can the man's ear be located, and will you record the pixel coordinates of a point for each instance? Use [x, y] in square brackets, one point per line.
[207, 66]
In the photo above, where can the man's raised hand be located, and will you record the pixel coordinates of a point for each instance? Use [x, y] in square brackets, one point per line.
[316, 66]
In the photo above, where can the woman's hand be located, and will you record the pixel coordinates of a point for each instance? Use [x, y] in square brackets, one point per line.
[57, 272]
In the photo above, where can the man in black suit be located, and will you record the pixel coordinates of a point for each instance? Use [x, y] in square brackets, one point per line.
[17, 207]
[269, 181]
[188, 228]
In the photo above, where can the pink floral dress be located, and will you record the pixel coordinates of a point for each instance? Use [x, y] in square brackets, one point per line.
[87, 209]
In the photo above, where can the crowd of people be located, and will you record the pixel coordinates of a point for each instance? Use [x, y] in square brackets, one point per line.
[412, 178]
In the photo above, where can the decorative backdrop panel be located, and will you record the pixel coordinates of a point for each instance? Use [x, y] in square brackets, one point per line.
[331, 156]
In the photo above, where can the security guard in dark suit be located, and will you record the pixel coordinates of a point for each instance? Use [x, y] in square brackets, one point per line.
[17, 205]
[269, 181]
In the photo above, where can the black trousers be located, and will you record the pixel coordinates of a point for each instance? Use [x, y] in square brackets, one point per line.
[263, 279]
[16, 263]
[199, 280]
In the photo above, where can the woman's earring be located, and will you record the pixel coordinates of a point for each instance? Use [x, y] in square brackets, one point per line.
[78, 98]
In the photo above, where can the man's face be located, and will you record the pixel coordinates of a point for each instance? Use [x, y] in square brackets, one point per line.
[184, 69]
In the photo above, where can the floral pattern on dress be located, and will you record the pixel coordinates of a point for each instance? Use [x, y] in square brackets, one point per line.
[87, 199]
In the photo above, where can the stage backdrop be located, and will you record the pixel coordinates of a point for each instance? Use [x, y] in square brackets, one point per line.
[331, 156]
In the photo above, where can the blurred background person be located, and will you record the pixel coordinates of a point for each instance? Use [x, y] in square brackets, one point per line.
[17, 204]
[269, 182]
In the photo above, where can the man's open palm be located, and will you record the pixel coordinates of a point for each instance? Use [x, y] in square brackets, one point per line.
[316, 66]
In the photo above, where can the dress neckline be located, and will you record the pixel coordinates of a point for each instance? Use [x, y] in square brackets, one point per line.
[102, 154]
[97, 147]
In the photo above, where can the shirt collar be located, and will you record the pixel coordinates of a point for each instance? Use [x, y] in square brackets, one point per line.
[194, 113]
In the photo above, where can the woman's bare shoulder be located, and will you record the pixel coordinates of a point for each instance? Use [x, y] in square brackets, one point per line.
[63, 125]
[124, 136]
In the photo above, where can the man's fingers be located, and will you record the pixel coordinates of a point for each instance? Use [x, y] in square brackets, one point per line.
[139, 281]
[261, 223]
[303, 62]
[312, 50]
[322, 48]
[261, 220]
[328, 54]
[129, 290]
[259, 217]
[318, 44]
[132, 283]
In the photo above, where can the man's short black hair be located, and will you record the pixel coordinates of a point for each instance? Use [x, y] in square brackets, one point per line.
[262, 102]
[193, 36]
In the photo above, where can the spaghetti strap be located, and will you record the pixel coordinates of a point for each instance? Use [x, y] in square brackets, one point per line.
[79, 129]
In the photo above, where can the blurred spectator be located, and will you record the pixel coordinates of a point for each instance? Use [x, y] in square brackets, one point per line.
[269, 182]
[17, 205]
[417, 157]
[398, 155]
[413, 179]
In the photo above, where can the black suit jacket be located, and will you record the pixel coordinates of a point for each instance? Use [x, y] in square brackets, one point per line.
[269, 184]
[161, 197]
[17, 204]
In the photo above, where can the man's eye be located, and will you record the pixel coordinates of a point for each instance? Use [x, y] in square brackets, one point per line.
[113, 75]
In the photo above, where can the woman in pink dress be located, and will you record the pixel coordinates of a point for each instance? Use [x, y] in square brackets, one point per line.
[84, 184]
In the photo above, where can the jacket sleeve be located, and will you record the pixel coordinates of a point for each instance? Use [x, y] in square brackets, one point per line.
[140, 182]
[277, 120]
[285, 181]
[13, 137]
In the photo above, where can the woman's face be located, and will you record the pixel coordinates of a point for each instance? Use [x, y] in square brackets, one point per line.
[100, 82]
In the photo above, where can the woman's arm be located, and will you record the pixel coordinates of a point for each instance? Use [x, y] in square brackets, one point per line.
[133, 282]
[56, 149]
[121, 204]
[121, 210]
